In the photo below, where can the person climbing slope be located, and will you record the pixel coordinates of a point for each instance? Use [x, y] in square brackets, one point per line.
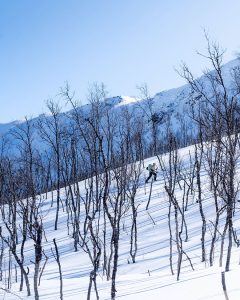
[152, 168]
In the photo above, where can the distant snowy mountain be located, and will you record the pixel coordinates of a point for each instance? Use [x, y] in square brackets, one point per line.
[168, 106]
[4, 128]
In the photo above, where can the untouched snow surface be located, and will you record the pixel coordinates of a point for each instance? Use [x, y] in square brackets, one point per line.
[150, 277]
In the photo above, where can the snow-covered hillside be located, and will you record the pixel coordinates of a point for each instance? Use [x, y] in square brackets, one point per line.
[99, 231]
[150, 277]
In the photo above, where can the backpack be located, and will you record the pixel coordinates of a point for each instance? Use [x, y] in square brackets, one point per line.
[149, 167]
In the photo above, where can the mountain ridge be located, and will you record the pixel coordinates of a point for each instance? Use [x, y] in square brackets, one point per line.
[171, 104]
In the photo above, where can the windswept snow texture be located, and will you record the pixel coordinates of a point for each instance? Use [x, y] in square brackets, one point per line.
[150, 277]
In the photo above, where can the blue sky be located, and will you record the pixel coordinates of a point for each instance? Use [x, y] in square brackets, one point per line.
[122, 43]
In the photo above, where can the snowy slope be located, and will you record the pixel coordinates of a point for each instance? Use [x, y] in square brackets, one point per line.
[150, 277]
